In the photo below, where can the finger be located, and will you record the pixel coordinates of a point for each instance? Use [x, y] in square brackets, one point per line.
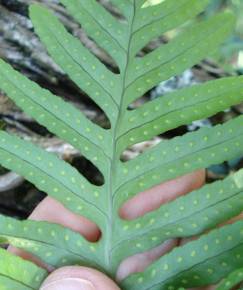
[153, 198]
[29, 257]
[53, 211]
[78, 278]
[234, 219]
[148, 201]
[139, 262]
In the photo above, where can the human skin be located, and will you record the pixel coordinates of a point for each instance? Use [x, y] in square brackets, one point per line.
[75, 277]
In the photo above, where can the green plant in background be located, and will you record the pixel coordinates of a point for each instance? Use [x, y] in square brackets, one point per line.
[233, 47]
[201, 262]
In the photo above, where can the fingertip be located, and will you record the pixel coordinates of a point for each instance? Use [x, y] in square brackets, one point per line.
[78, 278]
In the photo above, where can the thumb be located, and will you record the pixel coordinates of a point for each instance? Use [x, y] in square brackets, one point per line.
[78, 278]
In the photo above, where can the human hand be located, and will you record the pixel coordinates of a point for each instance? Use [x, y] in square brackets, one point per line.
[75, 277]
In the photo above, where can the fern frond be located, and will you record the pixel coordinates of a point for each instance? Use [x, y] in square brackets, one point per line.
[81, 65]
[191, 265]
[198, 263]
[178, 156]
[186, 216]
[179, 108]
[175, 57]
[54, 176]
[152, 21]
[58, 116]
[125, 7]
[232, 280]
[102, 27]
[53, 244]
[16, 273]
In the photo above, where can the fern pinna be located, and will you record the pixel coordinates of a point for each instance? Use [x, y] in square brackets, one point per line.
[201, 262]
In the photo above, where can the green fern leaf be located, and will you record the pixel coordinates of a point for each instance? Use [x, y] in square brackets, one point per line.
[64, 184]
[53, 244]
[18, 274]
[179, 108]
[49, 110]
[193, 264]
[198, 263]
[232, 280]
[189, 215]
[180, 156]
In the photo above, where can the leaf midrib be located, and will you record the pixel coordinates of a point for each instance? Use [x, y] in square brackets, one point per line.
[113, 163]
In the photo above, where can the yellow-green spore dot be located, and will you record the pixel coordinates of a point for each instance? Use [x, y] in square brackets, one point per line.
[10, 226]
[48, 254]
[125, 227]
[152, 221]
[166, 214]
[53, 233]
[79, 243]
[229, 238]
[140, 280]
[210, 271]
[80, 207]
[92, 248]
[205, 247]
[166, 267]
[96, 194]
[193, 253]
[153, 273]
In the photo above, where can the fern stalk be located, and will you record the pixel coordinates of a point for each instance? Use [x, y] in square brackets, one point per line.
[115, 156]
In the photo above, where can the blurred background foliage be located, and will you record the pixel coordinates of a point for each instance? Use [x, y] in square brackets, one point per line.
[231, 53]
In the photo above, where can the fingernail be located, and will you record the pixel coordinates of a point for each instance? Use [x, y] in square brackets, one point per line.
[69, 284]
